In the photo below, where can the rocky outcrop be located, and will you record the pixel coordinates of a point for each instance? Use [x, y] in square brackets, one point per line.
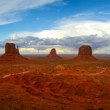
[85, 54]
[53, 54]
[85, 50]
[11, 49]
[12, 55]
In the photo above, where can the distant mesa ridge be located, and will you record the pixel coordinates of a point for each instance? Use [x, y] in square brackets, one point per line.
[85, 54]
[12, 55]
[53, 54]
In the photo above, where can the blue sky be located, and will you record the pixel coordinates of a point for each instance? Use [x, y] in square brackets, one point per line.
[39, 25]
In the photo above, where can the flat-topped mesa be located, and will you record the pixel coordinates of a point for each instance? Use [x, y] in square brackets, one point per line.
[85, 54]
[85, 50]
[53, 54]
[11, 49]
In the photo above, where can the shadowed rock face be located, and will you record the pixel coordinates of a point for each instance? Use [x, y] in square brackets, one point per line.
[85, 54]
[85, 50]
[53, 54]
[11, 49]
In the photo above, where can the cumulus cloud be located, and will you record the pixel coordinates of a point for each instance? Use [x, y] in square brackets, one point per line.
[80, 28]
[10, 9]
[65, 45]
[72, 28]
[68, 35]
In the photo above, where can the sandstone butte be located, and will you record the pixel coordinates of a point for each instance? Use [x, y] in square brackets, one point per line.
[53, 54]
[12, 55]
[85, 54]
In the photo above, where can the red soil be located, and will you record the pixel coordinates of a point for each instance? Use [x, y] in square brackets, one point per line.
[85, 58]
[55, 92]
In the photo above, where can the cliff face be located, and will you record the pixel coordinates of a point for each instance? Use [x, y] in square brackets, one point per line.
[85, 54]
[85, 50]
[53, 54]
[11, 49]
[12, 55]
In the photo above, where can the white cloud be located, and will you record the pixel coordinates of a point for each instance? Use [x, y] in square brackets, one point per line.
[3, 22]
[55, 34]
[83, 27]
[72, 29]
[68, 34]
[10, 9]
[17, 5]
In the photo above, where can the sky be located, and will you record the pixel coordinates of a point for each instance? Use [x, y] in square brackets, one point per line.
[36, 26]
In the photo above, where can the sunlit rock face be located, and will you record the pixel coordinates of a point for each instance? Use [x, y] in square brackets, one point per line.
[85, 50]
[53, 54]
[11, 49]
[85, 54]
